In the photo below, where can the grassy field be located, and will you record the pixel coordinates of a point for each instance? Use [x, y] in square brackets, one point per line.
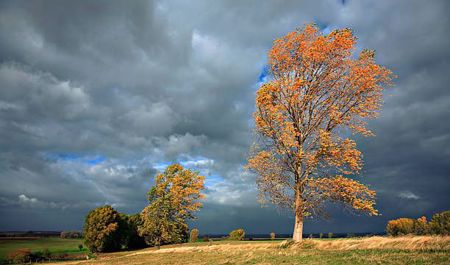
[373, 250]
[54, 244]
[370, 250]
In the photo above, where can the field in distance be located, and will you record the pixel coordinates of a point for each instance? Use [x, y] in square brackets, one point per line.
[55, 245]
[369, 250]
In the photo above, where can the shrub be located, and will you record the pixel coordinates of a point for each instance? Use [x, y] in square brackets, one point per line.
[440, 223]
[46, 254]
[401, 226]
[71, 234]
[330, 235]
[22, 255]
[272, 235]
[101, 229]
[421, 226]
[320, 235]
[37, 256]
[205, 239]
[193, 237]
[237, 234]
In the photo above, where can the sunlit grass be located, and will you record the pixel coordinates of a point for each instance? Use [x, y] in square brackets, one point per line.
[434, 250]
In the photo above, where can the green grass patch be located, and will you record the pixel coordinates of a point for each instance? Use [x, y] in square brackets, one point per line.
[54, 244]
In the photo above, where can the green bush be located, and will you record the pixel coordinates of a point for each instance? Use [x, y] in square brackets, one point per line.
[107, 230]
[101, 229]
[37, 256]
[330, 235]
[193, 237]
[440, 223]
[237, 234]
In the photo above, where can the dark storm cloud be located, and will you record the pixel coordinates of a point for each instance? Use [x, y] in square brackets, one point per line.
[141, 84]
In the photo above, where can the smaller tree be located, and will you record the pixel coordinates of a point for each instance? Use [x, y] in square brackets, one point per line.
[272, 235]
[330, 235]
[440, 223]
[193, 237]
[101, 229]
[237, 234]
[172, 201]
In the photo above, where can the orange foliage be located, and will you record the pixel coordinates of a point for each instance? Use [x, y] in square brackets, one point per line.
[401, 226]
[318, 94]
[172, 202]
[182, 187]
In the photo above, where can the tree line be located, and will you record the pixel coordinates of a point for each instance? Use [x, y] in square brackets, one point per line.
[438, 225]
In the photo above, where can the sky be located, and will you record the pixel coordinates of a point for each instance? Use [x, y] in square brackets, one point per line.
[96, 97]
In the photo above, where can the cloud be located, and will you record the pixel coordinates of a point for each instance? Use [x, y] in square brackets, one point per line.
[408, 195]
[41, 94]
[130, 87]
[25, 200]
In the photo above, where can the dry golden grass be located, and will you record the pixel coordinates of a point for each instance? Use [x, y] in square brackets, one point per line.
[372, 250]
[378, 242]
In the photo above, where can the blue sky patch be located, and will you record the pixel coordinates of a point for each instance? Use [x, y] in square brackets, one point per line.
[263, 74]
[73, 157]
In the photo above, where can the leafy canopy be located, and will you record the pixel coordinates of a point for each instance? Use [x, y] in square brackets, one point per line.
[172, 201]
[101, 229]
[319, 94]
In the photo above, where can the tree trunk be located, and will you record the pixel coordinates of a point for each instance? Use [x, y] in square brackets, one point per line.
[298, 225]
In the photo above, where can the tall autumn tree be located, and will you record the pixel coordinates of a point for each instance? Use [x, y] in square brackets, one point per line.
[173, 200]
[319, 93]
